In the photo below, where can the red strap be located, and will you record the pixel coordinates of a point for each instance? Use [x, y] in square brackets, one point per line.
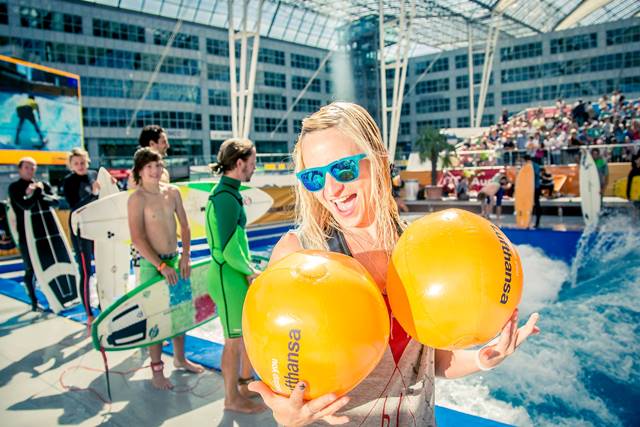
[106, 371]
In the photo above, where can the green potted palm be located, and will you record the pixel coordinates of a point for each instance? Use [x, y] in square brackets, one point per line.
[433, 145]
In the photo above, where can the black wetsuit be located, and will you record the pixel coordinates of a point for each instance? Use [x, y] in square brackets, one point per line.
[20, 202]
[77, 191]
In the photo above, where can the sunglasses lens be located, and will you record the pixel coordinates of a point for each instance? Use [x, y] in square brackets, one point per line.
[345, 171]
[312, 180]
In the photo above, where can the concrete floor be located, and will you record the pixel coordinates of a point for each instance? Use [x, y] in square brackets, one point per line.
[51, 375]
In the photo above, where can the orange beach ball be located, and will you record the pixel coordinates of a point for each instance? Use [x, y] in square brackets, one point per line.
[454, 279]
[315, 316]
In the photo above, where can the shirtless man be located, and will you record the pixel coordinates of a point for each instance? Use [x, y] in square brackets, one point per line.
[152, 210]
[485, 197]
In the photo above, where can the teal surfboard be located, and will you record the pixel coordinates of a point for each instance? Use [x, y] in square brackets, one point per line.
[155, 311]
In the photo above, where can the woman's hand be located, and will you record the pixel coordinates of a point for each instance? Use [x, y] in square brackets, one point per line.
[510, 338]
[294, 411]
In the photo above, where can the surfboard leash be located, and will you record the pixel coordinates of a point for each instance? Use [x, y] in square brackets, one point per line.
[106, 369]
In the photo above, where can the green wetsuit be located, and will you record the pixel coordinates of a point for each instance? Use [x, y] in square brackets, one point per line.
[230, 257]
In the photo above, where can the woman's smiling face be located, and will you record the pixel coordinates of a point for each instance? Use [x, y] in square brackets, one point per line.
[348, 202]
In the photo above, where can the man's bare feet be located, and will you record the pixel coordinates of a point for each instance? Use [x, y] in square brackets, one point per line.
[188, 366]
[158, 380]
[244, 405]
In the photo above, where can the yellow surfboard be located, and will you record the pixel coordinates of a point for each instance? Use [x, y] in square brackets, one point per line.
[525, 187]
[620, 188]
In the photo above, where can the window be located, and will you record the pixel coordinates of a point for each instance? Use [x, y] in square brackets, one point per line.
[218, 47]
[623, 35]
[4, 15]
[304, 61]
[328, 86]
[272, 146]
[432, 105]
[521, 51]
[218, 72]
[435, 123]
[441, 64]
[462, 60]
[462, 82]
[271, 56]
[297, 125]
[269, 101]
[572, 44]
[268, 124]
[175, 65]
[299, 83]
[521, 96]
[130, 89]
[431, 86]
[463, 122]
[462, 102]
[112, 117]
[487, 120]
[405, 128]
[46, 20]
[219, 97]
[328, 66]
[104, 57]
[614, 61]
[181, 40]
[373, 93]
[306, 105]
[118, 31]
[219, 122]
[274, 79]
[521, 74]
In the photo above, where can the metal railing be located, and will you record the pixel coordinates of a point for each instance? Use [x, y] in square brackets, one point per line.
[553, 156]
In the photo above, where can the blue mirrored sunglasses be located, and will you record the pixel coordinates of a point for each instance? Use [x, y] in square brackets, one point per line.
[346, 169]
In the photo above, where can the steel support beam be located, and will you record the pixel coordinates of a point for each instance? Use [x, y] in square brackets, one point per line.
[405, 28]
[242, 88]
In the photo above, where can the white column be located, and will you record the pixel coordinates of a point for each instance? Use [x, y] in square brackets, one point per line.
[242, 91]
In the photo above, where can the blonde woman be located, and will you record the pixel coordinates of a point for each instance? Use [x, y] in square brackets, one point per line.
[345, 204]
[81, 187]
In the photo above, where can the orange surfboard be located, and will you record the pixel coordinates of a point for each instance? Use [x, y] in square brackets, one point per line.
[524, 195]
[558, 182]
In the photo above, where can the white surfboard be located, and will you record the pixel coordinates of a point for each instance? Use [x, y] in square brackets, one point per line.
[106, 219]
[589, 189]
[13, 223]
[53, 263]
[154, 311]
[107, 186]
[112, 262]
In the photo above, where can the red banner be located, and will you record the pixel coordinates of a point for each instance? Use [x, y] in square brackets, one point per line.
[478, 178]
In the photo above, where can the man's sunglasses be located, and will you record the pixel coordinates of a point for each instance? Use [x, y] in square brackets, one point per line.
[343, 170]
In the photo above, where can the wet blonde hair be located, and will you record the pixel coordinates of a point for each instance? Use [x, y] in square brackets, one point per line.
[315, 221]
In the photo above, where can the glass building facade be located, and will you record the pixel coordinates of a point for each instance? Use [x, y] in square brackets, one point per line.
[116, 51]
